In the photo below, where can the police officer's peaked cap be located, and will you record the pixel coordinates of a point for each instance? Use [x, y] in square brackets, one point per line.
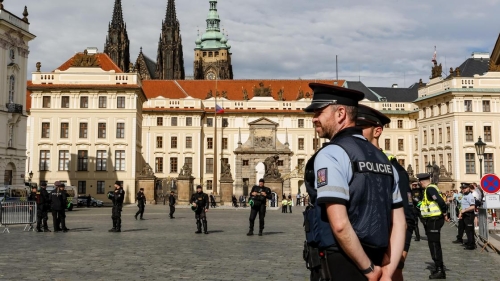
[368, 115]
[423, 176]
[43, 184]
[464, 185]
[57, 183]
[326, 94]
[199, 186]
[117, 183]
[262, 180]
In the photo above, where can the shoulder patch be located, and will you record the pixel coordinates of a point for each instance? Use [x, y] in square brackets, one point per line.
[408, 194]
[434, 197]
[322, 177]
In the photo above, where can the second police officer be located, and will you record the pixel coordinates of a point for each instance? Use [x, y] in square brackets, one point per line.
[58, 199]
[171, 204]
[467, 215]
[258, 196]
[43, 208]
[199, 202]
[141, 203]
[372, 122]
[433, 212]
[117, 196]
[357, 217]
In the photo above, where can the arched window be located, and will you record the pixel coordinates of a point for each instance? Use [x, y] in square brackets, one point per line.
[12, 87]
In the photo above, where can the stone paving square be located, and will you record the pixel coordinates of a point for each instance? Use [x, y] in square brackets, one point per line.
[159, 248]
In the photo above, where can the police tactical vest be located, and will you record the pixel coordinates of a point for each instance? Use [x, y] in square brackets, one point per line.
[428, 208]
[370, 193]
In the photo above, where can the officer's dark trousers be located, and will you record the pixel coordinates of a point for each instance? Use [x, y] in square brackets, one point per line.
[461, 229]
[433, 231]
[468, 219]
[116, 215]
[141, 210]
[201, 218]
[172, 210]
[253, 214]
[417, 217]
[290, 207]
[42, 216]
[59, 220]
[340, 268]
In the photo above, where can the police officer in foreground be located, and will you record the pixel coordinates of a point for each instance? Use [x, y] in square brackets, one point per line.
[59, 201]
[117, 196]
[372, 123]
[258, 196]
[199, 204]
[458, 209]
[43, 206]
[357, 219]
[141, 203]
[171, 204]
[416, 196]
[467, 215]
[433, 212]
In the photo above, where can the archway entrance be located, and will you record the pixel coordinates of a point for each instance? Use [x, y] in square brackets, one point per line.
[8, 174]
[260, 171]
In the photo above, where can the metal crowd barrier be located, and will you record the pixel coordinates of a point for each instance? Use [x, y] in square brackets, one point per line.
[12, 213]
[453, 212]
[483, 223]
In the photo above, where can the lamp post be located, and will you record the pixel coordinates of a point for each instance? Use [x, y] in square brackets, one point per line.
[428, 169]
[480, 146]
[30, 176]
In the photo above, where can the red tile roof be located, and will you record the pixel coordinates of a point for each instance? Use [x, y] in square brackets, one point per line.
[103, 60]
[177, 89]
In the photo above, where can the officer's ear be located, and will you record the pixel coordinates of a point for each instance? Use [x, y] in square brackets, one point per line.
[377, 132]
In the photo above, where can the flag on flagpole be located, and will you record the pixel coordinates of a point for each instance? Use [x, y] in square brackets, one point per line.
[218, 109]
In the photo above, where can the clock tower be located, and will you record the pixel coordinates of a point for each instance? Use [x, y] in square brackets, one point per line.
[212, 57]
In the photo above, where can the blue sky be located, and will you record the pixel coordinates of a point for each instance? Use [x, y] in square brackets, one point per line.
[382, 41]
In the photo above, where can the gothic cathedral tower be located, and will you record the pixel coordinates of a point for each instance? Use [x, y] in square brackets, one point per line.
[170, 60]
[212, 59]
[117, 43]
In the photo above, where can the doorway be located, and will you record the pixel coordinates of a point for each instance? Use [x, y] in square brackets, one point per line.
[274, 200]
[7, 176]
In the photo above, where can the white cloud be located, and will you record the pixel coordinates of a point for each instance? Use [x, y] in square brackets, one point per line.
[383, 41]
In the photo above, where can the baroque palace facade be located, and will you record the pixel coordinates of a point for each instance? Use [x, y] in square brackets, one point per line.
[14, 50]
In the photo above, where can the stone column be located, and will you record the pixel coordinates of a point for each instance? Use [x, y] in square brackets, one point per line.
[149, 188]
[276, 185]
[226, 192]
[184, 189]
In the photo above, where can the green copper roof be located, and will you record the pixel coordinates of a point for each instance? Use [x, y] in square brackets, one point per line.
[212, 38]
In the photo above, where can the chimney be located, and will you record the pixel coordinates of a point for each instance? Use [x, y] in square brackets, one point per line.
[394, 85]
[91, 50]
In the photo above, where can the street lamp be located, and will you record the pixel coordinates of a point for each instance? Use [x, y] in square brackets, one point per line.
[429, 168]
[480, 146]
[30, 176]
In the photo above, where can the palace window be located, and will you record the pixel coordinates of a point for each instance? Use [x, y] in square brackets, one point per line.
[448, 134]
[469, 136]
[301, 143]
[401, 146]
[280, 163]
[159, 165]
[12, 88]
[84, 102]
[387, 144]
[101, 186]
[300, 164]
[159, 121]
[101, 130]
[46, 102]
[315, 143]
[488, 163]
[120, 160]
[301, 123]
[401, 162]
[83, 130]
[432, 136]
[209, 166]
[189, 142]
[224, 143]
[225, 123]
[103, 102]
[173, 142]
[173, 164]
[245, 163]
[120, 102]
[44, 160]
[101, 163]
[173, 121]
[470, 163]
[416, 143]
[467, 105]
[189, 162]
[189, 121]
[64, 130]
[210, 143]
[83, 160]
[64, 102]
[440, 135]
[64, 160]
[487, 133]
[120, 130]
[450, 166]
[210, 122]
[159, 142]
[82, 187]
[486, 106]
[400, 124]
[209, 184]
[45, 130]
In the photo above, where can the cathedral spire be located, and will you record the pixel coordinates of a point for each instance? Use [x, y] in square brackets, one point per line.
[117, 43]
[171, 15]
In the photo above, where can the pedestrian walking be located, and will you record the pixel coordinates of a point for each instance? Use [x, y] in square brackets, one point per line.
[298, 199]
[141, 203]
[433, 210]
[259, 194]
[235, 202]
[171, 204]
[199, 202]
[340, 179]
[417, 196]
[212, 200]
[89, 200]
[117, 196]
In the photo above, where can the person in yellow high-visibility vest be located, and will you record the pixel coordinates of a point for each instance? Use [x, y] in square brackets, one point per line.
[433, 212]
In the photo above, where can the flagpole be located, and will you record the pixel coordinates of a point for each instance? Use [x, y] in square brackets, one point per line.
[214, 184]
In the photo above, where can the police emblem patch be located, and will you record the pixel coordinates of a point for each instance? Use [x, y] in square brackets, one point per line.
[434, 197]
[321, 177]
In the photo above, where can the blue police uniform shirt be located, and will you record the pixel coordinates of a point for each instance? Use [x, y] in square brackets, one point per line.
[333, 171]
[467, 201]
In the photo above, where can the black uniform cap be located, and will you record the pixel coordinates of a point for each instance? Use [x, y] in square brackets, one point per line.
[370, 116]
[262, 180]
[118, 183]
[326, 94]
[423, 176]
[464, 185]
[199, 186]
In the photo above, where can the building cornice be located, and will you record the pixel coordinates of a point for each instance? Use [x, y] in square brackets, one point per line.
[458, 90]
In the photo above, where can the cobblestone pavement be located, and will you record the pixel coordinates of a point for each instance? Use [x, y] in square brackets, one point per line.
[159, 248]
